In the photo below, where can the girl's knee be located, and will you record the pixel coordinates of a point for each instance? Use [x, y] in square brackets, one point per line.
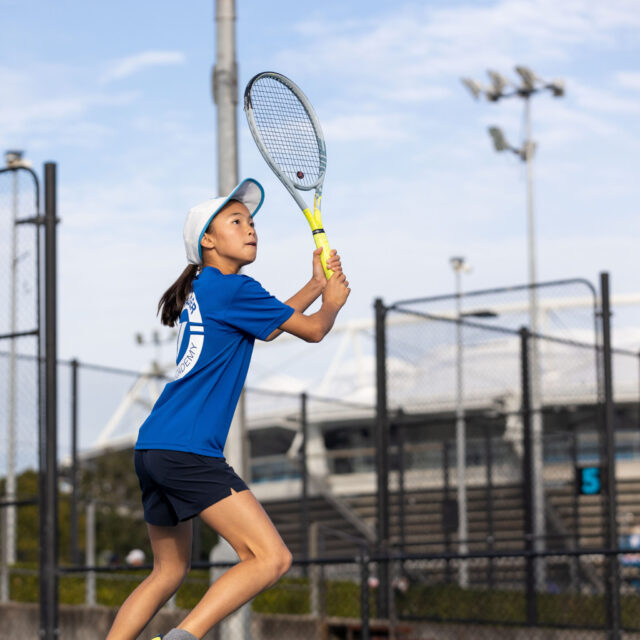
[170, 575]
[279, 562]
[285, 560]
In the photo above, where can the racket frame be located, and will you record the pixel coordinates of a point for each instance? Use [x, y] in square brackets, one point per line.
[314, 218]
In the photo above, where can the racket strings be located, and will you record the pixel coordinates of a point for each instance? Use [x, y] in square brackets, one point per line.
[287, 131]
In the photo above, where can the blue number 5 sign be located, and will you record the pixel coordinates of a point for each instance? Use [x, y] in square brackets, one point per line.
[588, 481]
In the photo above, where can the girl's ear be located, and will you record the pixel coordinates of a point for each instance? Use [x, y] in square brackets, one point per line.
[207, 241]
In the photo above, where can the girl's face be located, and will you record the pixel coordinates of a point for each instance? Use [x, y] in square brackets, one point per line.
[231, 241]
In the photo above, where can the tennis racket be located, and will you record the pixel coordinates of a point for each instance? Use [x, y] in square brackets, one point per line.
[288, 134]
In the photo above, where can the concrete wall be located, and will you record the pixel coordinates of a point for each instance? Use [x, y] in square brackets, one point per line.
[18, 620]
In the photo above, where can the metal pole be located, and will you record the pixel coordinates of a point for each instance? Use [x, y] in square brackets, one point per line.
[10, 487]
[90, 553]
[365, 614]
[445, 486]
[75, 553]
[401, 487]
[639, 388]
[304, 471]
[613, 574]
[575, 562]
[539, 527]
[528, 478]
[48, 439]
[490, 505]
[461, 443]
[382, 456]
[225, 97]
[314, 597]
[4, 568]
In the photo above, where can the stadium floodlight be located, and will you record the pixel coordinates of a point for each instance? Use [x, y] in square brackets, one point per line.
[474, 87]
[557, 87]
[499, 141]
[529, 78]
[15, 160]
[498, 84]
[458, 264]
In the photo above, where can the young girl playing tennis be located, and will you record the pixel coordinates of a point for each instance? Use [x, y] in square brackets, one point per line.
[179, 453]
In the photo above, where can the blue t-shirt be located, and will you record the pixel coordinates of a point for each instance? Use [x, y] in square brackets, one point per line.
[218, 324]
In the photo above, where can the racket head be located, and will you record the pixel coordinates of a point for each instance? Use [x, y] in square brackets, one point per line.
[286, 130]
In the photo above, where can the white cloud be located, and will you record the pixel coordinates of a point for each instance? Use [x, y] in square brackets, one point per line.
[361, 127]
[593, 99]
[419, 42]
[125, 67]
[33, 111]
[628, 79]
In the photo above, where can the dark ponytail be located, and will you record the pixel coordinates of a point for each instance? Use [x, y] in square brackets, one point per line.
[173, 299]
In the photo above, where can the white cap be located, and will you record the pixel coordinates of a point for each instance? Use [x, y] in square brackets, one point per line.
[135, 556]
[249, 192]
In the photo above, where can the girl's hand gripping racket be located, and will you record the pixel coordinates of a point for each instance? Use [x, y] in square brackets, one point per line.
[288, 134]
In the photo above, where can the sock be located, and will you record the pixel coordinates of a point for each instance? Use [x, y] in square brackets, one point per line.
[179, 634]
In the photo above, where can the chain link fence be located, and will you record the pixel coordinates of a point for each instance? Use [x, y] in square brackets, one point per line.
[19, 375]
[509, 428]
[313, 462]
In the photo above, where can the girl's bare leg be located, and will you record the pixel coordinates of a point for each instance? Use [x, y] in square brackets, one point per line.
[171, 558]
[242, 521]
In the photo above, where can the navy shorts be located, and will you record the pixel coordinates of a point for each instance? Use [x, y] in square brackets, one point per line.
[177, 486]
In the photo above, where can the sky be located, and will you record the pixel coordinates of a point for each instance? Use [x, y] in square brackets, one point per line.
[118, 94]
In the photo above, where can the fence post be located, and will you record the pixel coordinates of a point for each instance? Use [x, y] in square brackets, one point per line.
[75, 555]
[90, 553]
[304, 477]
[575, 509]
[613, 574]
[314, 571]
[4, 551]
[365, 613]
[528, 478]
[48, 467]
[489, 498]
[382, 456]
[445, 500]
[400, 430]
[638, 355]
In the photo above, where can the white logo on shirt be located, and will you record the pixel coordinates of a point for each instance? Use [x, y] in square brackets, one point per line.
[190, 337]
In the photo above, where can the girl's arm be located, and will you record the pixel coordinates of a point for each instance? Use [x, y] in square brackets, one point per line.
[311, 291]
[314, 327]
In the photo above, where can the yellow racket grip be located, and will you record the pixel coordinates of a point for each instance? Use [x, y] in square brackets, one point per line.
[320, 238]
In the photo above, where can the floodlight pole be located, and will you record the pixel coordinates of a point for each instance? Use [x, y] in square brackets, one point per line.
[531, 83]
[459, 266]
[539, 521]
